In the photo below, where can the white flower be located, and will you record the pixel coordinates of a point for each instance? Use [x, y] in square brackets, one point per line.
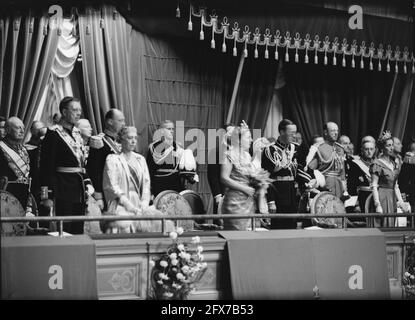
[173, 256]
[199, 249]
[201, 257]
[179, 230]
[168, 294]
[196, 239]
[407, 274]
[174, 262]
[161, 275]
[204, 265]
[412, 277]
[188, 256]
[180, 276]
[180, 247]
[160, 281]
[185, 269]
[152, 263]
[163, 263]
[182, 255]
[173, 235]
[165, 277]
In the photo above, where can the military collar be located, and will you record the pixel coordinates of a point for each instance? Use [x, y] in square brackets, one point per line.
[110, 134]
[66, 125]
[281, 144]
[14, 145]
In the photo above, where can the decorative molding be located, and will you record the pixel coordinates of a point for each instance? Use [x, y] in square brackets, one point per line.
[359, 53]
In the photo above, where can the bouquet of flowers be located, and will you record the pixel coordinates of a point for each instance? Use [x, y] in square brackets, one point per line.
[176, 273]
[259, 179]
[408, 279]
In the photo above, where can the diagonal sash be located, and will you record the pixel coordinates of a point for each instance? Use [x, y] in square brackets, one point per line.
[68, 140]
[363, 167]
[111, 144]
[16, 162]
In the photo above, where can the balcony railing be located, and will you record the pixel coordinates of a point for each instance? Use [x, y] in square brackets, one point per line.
[61, 219]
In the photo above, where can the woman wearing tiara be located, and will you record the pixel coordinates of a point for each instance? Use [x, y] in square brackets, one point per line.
[385, 171]
[126, 185]
[242, 180]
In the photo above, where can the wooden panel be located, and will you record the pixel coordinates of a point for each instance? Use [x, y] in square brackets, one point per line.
[122, 277]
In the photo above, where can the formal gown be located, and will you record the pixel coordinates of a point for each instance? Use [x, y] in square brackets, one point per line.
[388, 176]
[236, 201]
[129, 177]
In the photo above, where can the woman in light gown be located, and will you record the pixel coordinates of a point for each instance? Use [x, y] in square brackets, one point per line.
[385, 171]
[236, 172]
[126, 186]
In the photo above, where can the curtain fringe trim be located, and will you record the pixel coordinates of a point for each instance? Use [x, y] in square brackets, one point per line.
[312, 47]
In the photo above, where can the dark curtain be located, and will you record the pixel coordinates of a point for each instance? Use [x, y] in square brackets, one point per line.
[355, 99]
[255, 93]
[105, 47]
[28, 46]
[185, 82]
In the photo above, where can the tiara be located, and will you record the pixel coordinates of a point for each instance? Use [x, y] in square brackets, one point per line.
[243, 125]
[385, 136]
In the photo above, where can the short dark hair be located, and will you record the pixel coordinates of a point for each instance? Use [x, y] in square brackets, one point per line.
[65, 102]
[110, 114]
[284, 123]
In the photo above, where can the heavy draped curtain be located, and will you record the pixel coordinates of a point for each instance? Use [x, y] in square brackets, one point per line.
[28, 47]
[355, 99]
[106, 64]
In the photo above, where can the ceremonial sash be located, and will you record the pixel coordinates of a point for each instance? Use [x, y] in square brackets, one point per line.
[363, 167]
[112, 145]
[130, 177]
[389, 166]
[19, 166]
[69, 142]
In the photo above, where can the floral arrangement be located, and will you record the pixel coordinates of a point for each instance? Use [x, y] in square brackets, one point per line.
[176, 273]
[408, 279]
[259, 178]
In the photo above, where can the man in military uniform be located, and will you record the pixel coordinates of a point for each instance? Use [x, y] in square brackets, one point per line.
[330, 161]
[163, 161]
[359, 179]
[33, 146]
[407, 176]
[100, 147]
[280, 160]
[64, 182]
[15, 162]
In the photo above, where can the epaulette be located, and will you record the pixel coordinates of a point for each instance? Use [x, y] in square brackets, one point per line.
[340, 146]
[96, 142]
[409, 158]
[55, 127]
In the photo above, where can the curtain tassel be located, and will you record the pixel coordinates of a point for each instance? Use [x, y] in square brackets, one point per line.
[276, 53]
[405, 70]
[246, 52]
[396, 67]
[296, 57]
[325, 60]
[178, 11]
[202, 35]
[388, 67]
[344, 61]
[235, 53]
[362, 64]
[371, 64]
[413, 68]
[334, 60]
[256, 53]
[287, 57]
[223, 47]
[353, 63]
[379, 66]
[266, 54]
[316, 58]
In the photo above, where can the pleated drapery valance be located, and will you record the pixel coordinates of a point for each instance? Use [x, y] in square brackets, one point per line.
[316, 49]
